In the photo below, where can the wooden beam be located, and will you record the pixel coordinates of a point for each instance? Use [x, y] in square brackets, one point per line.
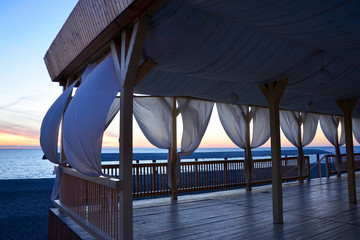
[300, 150]
[144, 69]
[273, 93]
[126, 56]
[173, 149]
[347, 107]
[248, 155]
[135, 51]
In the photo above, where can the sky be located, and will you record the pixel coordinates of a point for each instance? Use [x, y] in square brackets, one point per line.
[27, 29]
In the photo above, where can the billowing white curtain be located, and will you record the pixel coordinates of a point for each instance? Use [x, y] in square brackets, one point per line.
[289, 122]
[154, 116]
[85, 118]
[195, 117]
[49, 133]
[329, 125]
[114, 109]
[261, 128]
[356, 128]
[234, 121]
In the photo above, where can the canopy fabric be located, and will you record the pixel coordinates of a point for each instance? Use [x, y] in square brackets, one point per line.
[196, 116]
[289, 122]
[114, 109]
[356, 128]
[212, 49]
[85, 118]
[329, 125]
[49, 132]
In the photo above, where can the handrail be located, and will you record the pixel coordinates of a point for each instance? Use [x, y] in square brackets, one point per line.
[318, 162]
[110, 182]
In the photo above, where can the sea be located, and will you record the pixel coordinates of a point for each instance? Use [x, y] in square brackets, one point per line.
[28, 163]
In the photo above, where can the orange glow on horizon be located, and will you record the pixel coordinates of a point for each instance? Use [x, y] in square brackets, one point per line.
[8, 140]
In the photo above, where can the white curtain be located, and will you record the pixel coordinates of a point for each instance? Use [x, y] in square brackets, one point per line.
[289, 125]
[154, 116]
[49, 133]
[195, 116]
[234, 121]
[356, 128]
[289, 122]
[261, 128]
[329, 125]
[85, 118]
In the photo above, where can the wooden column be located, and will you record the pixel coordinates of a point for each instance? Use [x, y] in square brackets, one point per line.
[173, 150]
[346, 107]
[62, 152]
[126, 55]
[273, 93]
[300, 151]
[248, 155]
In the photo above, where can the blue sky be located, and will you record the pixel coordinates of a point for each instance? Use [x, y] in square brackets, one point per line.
[27, 30]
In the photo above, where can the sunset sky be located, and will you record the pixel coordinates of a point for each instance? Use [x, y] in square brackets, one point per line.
[27, 30]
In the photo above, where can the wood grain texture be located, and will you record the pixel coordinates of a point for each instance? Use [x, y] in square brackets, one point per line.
[87, 32]
[312, 210]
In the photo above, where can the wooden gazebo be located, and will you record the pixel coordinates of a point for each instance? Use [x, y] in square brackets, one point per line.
[298, 56]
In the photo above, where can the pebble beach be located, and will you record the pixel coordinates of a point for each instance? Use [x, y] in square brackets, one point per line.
[24, 208]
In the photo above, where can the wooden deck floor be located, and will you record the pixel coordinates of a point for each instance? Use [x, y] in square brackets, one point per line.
[318, 209]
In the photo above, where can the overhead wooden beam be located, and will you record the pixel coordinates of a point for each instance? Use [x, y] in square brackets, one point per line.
[273, 93]
[347, 107]
[144, 69]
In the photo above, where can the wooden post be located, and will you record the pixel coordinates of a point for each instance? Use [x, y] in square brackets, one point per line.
[248, 156]
[300, 151]
[173, 150]
[126, 55]
[327, 167]
[319, 165]
[273, 93]
[62, 152]
[346, 107]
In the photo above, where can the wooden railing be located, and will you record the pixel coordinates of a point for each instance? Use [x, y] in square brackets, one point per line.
[93, 202]
[150, 179]
[330, 159]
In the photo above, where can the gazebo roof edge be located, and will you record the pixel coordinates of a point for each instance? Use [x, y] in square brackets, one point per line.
[79, 42]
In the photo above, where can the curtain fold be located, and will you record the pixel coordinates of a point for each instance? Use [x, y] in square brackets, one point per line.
[196, 116]
[85, 118]
[114, 109]
[356, 128]
[261, 128]
[49, 133]
[329, 125]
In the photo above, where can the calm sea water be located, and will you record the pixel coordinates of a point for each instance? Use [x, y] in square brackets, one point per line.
[28, 163]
